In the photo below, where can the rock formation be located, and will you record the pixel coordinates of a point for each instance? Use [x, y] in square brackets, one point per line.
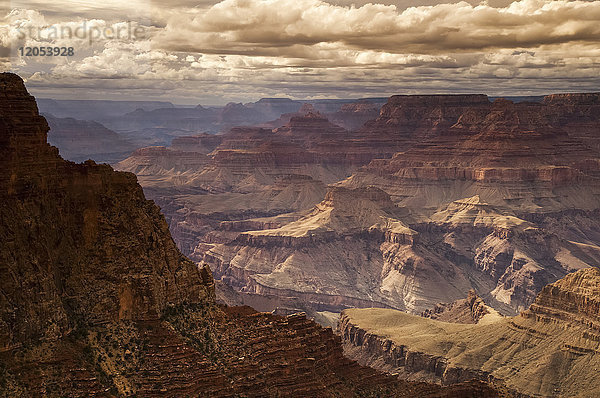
[273, 112]
[577, 113]
[504, 166]
[354, 115]
[97, 300]
[97, 110]
[197, 119]
[550, 350]
[201, 143]
[251, 172]
[469, 310]
[78, 238]
[273, 108]
[314, 257]
[157, 160]
[501, 197]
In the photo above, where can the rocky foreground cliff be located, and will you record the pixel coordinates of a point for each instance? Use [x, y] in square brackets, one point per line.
[96, 300]
[550, 350]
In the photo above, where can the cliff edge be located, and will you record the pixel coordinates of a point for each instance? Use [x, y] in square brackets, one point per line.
[96, 300]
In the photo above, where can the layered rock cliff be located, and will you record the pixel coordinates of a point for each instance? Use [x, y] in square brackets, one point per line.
[528, 172]
[578, 113]
[354, 244]
[550, 350]
[79, 239]
[314, 257]
[501, 197]
[513, 146]
[250, 173]
[575, 299]
[353, 116]
[97, 300]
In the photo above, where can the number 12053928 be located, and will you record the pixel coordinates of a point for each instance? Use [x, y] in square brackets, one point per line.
[46, 51]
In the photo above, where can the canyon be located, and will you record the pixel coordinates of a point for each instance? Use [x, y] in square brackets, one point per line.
[80, 140]
[434, 197]
[549, 350]
[81, 128]
[98, 301]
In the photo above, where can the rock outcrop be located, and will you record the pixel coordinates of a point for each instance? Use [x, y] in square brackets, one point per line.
[521, 164]
[575, 300]
[506, 144]
[550, 350]
[250, 173]
[97, 300]
[314, 257]
[469, 310]
[577, 113]
[160, 160]
[359, 244]
[79, 238]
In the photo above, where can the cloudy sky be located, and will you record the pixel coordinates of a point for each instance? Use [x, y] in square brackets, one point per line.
[212, 52]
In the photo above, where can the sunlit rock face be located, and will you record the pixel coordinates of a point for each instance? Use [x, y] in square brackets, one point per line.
[497, 197]
[471, 309]
[511, 168]
[553, 343]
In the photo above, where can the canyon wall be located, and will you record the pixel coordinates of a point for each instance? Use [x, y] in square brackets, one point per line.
[496, 196]
[549, 350]
[98, 301]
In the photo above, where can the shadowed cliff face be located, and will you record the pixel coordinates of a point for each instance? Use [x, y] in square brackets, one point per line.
[82, 239]
[96, 300]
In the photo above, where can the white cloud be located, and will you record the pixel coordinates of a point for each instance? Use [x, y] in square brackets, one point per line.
[244, 49]
[262, 25]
